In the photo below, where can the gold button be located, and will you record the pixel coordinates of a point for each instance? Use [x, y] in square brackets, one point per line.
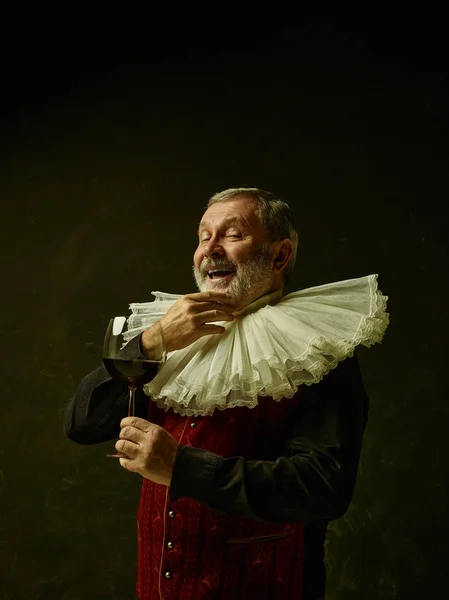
[168, 575]
[170, 545]
[171, 514]
[193, 425]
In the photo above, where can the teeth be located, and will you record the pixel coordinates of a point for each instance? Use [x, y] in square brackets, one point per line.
[224, 272]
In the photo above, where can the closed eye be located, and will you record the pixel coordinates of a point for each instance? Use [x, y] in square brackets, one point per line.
[232, 235]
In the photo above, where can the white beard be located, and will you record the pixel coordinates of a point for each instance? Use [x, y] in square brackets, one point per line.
[250, 280]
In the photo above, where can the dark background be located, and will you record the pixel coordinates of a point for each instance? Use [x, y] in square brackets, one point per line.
[115, 130]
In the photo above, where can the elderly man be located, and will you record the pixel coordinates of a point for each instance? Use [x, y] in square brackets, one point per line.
[240, 477]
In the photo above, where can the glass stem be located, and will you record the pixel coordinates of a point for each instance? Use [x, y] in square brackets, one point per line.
[131, 403]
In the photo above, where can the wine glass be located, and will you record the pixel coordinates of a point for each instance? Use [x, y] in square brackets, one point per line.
[121, 366]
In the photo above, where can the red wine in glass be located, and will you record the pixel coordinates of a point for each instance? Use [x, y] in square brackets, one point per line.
[135, 372]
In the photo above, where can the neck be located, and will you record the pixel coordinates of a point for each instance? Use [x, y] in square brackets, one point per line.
[270, 297]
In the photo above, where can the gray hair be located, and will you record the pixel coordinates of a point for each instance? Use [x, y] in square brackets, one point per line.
[275, 215]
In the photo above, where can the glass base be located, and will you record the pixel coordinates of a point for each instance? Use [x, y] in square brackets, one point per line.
[118, 455]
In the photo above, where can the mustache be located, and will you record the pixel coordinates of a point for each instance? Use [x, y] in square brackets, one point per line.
[217, 264]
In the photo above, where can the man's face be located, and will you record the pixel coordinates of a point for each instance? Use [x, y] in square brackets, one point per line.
[233, 253]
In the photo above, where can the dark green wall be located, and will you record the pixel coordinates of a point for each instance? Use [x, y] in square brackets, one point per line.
[103, 181]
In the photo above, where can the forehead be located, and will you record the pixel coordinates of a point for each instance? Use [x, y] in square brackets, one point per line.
[242, 210]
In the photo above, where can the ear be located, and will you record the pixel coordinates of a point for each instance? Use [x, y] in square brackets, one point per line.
[283, 252]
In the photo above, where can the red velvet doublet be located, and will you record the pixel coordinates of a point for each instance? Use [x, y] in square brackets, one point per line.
[187, 551]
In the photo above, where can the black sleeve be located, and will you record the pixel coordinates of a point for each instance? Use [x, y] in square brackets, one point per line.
[100, 402]
[315, 477]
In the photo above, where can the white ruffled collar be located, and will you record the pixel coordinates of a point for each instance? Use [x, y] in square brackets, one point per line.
[276, 344]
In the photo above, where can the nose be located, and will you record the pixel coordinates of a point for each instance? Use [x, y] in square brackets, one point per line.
[213, 248]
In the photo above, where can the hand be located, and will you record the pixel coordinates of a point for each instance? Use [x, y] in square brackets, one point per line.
[185, 322]
[149, 449]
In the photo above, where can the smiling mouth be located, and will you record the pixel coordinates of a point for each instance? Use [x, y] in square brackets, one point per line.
[219, 274]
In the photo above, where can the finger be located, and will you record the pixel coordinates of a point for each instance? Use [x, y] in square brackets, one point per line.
[203, 306]
[128, 464]
[214, 315]
[132, 434]
[210, 329]
[129, 449]
[136, 422]
[211, 296]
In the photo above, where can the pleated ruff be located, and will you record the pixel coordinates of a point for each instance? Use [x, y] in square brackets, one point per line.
[267, 350]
